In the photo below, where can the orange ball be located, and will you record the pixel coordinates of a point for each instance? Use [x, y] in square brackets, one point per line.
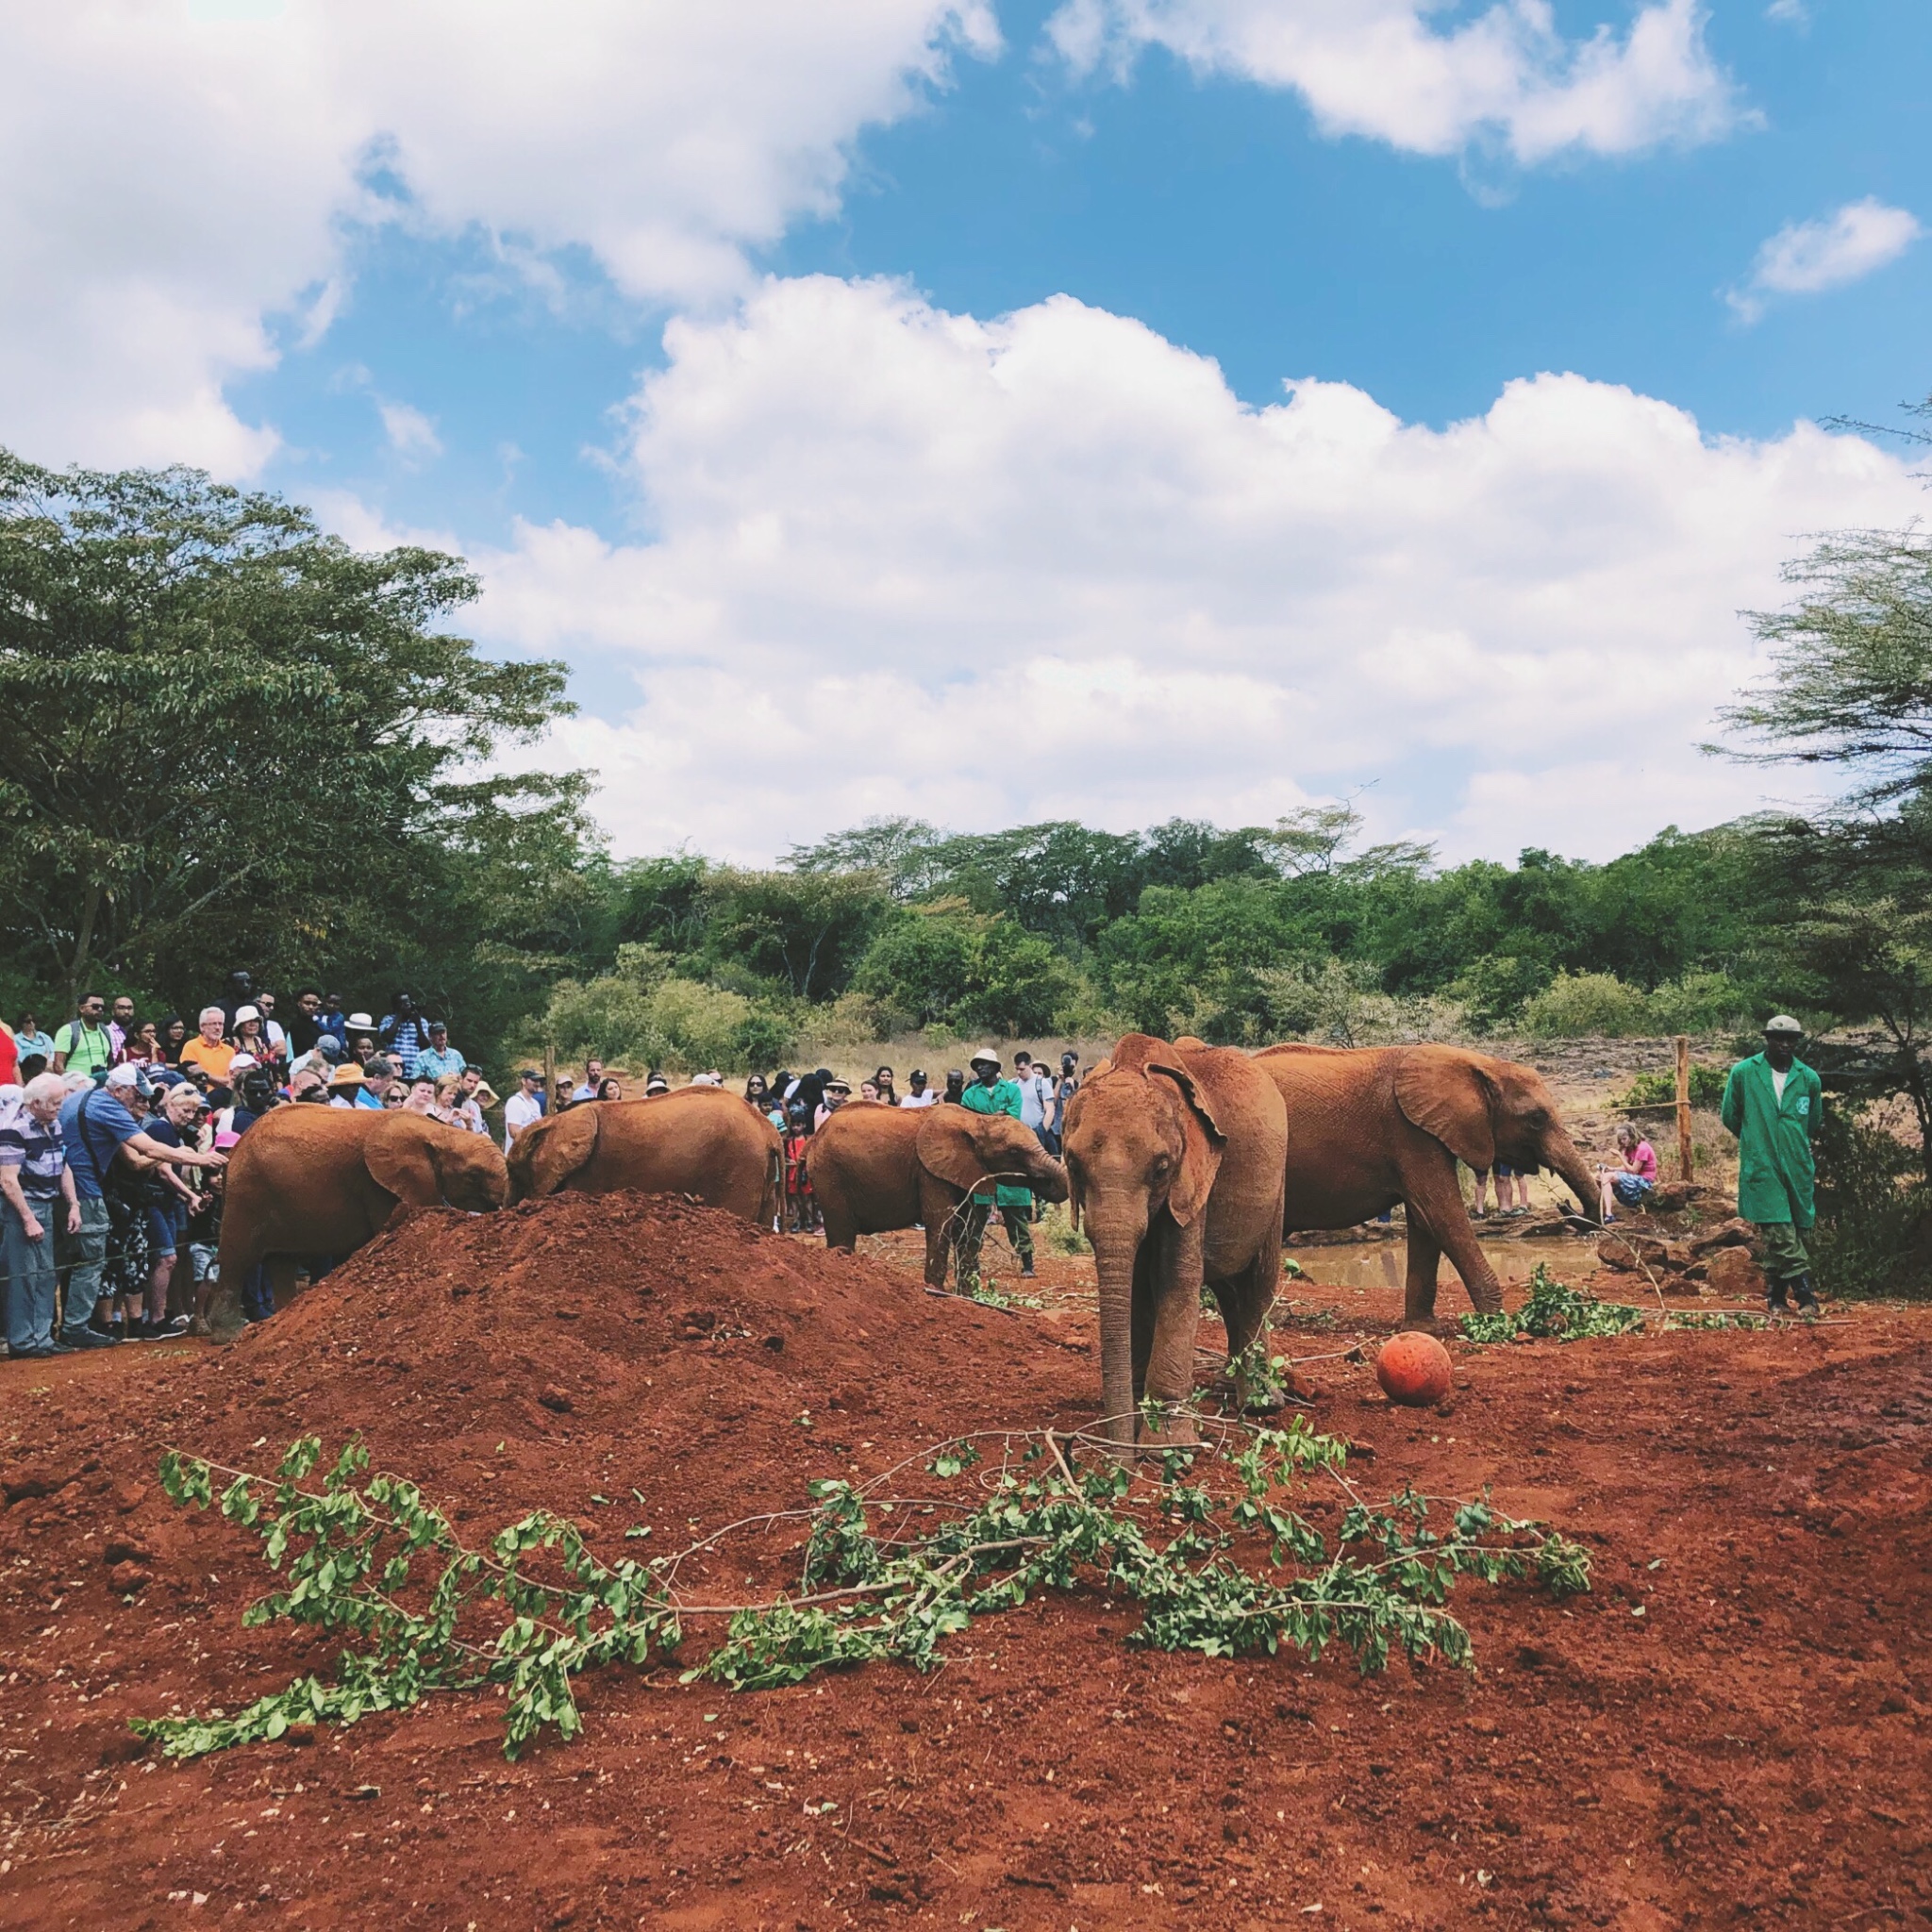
[1414, 1369]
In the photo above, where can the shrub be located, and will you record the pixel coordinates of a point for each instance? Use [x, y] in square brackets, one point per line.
[1579, 1004]
[643, 1016]
[1656, 1090]
[1873, 1202]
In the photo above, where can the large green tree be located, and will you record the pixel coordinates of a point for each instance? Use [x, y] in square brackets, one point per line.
[233, 739]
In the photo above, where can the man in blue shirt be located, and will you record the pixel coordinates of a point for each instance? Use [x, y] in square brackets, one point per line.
[94, 1128]
[402, 1034]
[376, 1074]
[439, 1058]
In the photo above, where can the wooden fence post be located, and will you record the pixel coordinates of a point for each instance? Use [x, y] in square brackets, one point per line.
[1684, 1161]
[550, 1096]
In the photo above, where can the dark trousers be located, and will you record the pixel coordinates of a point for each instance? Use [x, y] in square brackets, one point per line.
[974, 1218]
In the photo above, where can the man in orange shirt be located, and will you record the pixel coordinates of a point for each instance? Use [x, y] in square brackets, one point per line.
[208, 1050]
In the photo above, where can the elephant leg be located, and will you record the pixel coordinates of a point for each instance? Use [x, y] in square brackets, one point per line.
[1245, 1300]
[842, 1228]
[1445, 1218]
[938, 1207]
[1176, 1311]
[217, 1308]
[1425, 1257]
[282, 1270]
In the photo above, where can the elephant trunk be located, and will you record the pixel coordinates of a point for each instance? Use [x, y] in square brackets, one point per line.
[1562, 1156]
[1116, 1235]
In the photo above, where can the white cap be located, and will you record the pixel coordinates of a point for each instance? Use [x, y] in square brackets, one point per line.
[241, 1063]
[123, 1075]
[242, 1013]
[1783, 1023]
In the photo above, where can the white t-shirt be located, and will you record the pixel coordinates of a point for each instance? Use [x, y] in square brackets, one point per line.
[1033, 1098]
[1777, 1083]
[924, 1099]
[519, 1110]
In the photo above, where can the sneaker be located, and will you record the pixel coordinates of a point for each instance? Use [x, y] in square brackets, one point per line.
[76, 1339]
[173, 1324]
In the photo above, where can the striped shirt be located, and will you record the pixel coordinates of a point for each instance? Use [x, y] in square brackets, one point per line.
[36, 1148]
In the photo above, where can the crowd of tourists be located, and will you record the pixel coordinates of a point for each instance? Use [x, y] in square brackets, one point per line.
[114, 1131]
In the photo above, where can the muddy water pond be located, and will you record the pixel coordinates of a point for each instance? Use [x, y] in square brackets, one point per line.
[1384, 1265]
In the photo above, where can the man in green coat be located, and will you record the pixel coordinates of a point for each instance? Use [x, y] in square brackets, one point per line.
[986, 1092]
[1772, 1103]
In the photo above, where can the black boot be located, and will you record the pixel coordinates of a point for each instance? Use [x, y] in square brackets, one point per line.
[1808, 1301]
[1775, 1302]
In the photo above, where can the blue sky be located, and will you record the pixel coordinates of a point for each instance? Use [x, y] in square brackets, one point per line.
[440, 306]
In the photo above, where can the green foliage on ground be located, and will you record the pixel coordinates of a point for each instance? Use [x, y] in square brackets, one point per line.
[1556, 1312]
[534, 1609]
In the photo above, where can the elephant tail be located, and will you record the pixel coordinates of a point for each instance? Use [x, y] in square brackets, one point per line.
[771, 1204]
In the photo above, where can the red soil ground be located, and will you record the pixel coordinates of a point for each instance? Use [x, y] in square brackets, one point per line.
[1731, 1728]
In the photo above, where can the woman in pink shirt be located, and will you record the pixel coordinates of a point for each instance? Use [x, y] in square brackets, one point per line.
[1631, 1185]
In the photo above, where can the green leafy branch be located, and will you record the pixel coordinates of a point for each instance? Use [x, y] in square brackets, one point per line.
[358, 1553]
[1558, 1313]
[357, 1548]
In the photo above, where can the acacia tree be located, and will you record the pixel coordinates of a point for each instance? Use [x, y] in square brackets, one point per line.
[226, 730]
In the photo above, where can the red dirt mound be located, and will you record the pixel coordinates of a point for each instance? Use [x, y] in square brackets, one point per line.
[630, 1342]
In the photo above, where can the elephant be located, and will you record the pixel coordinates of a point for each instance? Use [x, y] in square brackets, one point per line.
[1177, 1161]
[323, 1181]
[874, 1168]
[698, 1140]
[1369, 1126]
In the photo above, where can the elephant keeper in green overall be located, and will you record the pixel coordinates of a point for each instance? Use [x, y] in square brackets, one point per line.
[986, 1092]
[1772, 1104]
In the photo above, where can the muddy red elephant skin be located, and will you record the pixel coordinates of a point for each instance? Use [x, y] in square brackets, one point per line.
[323, 1181]
[699, 1141]
[874, 1168]
[1176, 1160]
[1369, 1126]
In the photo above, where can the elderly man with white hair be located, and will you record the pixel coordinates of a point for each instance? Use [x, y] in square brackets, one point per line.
[96, 1128]
[210, 1050]
[36, 1198]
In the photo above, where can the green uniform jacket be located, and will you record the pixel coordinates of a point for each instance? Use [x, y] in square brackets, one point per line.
[1002, 1096]
[1775, 1166]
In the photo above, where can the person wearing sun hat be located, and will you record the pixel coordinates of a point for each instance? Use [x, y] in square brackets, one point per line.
[1772, 1103]
[987, 1093]
[344, 1084]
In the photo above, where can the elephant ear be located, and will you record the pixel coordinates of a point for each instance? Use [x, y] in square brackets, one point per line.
[401, 1160]
[1202, 1139]
[949, 1148]
[568, 1140]
[1447, 1093]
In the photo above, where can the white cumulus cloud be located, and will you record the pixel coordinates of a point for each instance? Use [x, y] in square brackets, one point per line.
[1383, 69]
[1806, 257]
[180, 173]
[903, 560]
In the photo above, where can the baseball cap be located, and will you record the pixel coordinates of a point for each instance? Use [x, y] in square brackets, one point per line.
[224, 1142]
[123, 1075]
[241, 1063]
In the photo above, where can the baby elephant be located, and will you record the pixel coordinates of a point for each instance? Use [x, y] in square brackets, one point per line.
[874, 1168]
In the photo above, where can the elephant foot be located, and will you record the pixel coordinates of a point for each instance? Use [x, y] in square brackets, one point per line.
[1441, 1327]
